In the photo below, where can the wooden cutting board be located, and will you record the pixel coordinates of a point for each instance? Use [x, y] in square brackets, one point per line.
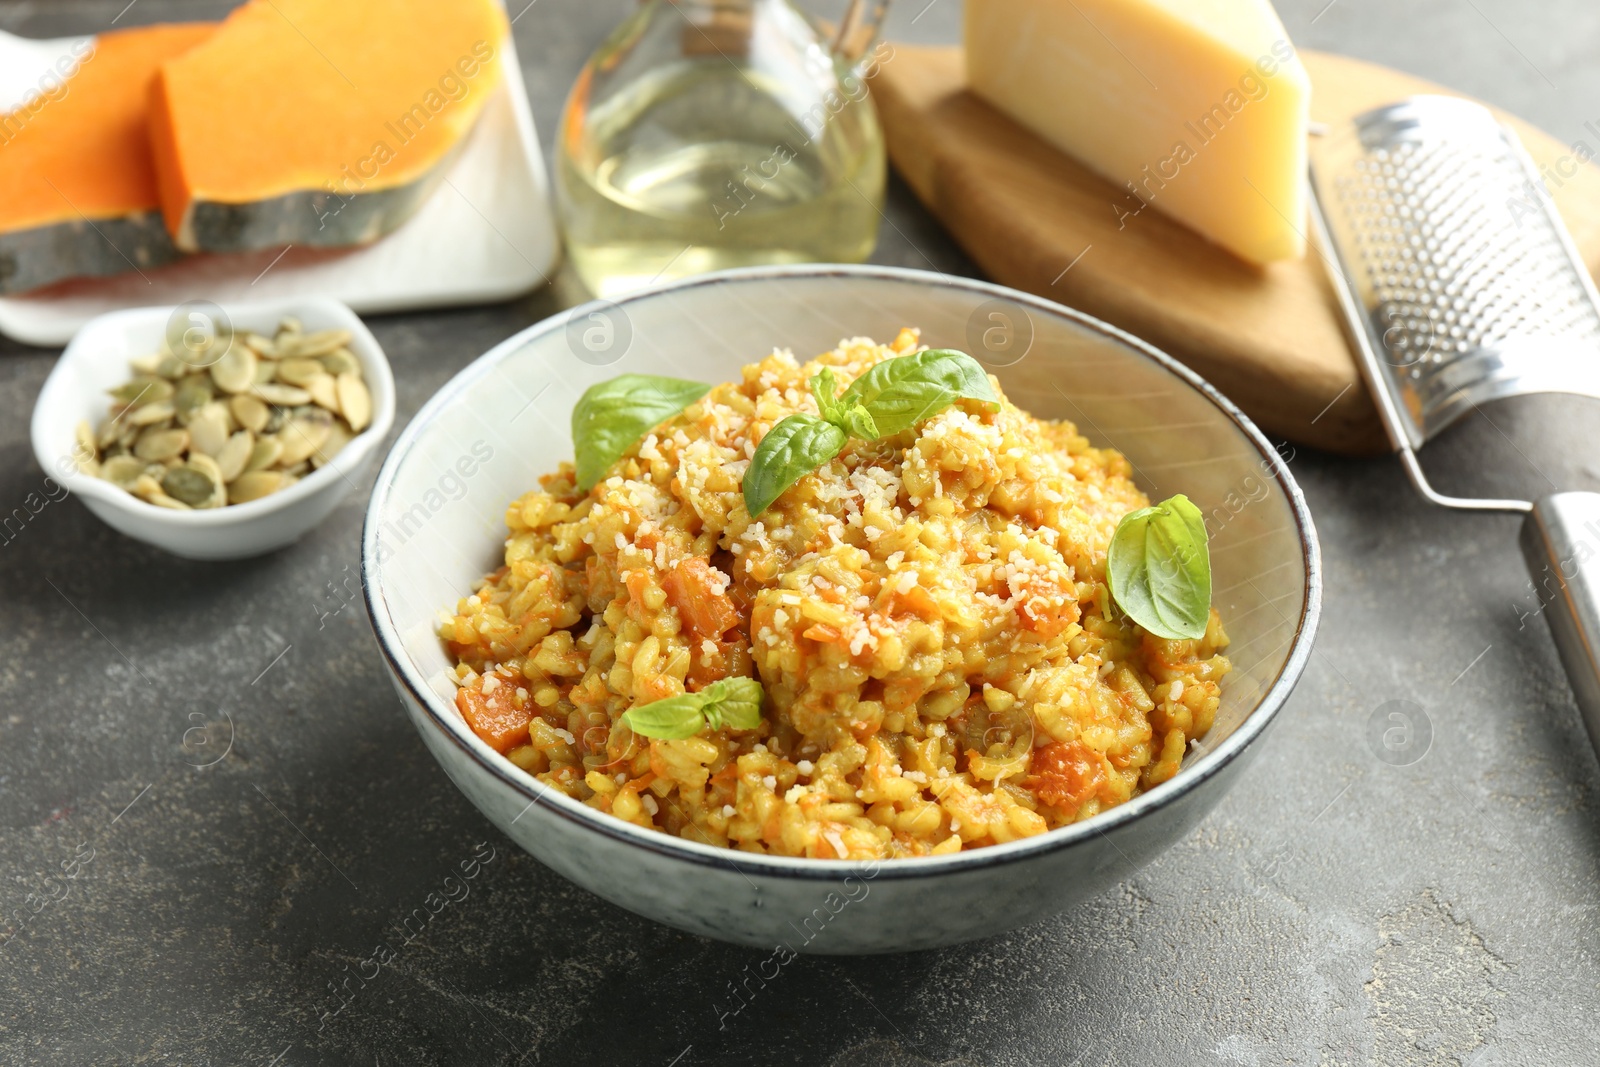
[1035, 219]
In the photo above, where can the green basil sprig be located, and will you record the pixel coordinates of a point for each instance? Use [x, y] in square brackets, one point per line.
[1158, 569]
[901, 392]
[892, 396]
[732, 702]
[792, 449]
[612, 416]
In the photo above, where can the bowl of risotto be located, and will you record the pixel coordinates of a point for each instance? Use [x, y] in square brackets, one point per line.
[838, 609]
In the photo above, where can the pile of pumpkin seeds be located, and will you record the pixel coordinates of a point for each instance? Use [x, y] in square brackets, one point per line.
[244, 417]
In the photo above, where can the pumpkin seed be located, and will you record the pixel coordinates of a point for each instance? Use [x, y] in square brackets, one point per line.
[266, 370]
[208, 467]
[285, 395]
[262, 345]
[163, 444]
[208, 432]
[236, 370]
[338, 437]
[109, 434]
[194, 393]
[232, 457]
[264, 453]
[127, 434]
[254, 485]
[341, 361]
[188, 485]
[324, 390]
[151, 414]
[147, 365]
[322, 342]
[223, 410]
[83, 440]
[142, 391]
[122, 471]
[172, 367]
[161, 500]
[130, 390]
[289, 324]
[198, 357]
[301, 437]
[299, 371]
[250, 411]
[355, 403]
[148, 489]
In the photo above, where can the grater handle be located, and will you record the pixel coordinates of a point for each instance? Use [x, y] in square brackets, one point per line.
[1561, 543]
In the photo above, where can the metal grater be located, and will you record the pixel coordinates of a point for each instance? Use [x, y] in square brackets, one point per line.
[1460, 285]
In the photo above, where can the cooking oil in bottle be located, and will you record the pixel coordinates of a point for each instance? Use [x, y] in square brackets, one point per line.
[738, 154]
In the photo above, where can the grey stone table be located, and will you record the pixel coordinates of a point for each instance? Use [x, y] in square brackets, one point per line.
[1335, 909]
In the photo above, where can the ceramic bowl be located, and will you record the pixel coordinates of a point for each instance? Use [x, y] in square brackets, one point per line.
[97, 359]
[436, 524]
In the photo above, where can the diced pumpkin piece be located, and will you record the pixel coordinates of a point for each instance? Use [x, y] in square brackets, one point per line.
[703, 603]
[77, 186]
[500, 716]
[316, 123]
[1065, 774]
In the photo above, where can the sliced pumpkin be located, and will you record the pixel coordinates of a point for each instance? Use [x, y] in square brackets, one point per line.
[316, 123]
[500, 716]
[77, 185]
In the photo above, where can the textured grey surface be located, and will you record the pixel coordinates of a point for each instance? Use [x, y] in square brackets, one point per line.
[1335, 909]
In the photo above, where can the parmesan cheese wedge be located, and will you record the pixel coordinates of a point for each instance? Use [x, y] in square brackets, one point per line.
[1197, 108]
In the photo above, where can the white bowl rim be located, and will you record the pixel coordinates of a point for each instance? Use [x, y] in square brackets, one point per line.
[1189, 778]
[375, 366]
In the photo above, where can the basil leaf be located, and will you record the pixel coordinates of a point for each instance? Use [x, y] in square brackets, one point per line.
[798, 445]
[857, 421]
[1159, 569]
[612, 416]
[898, 393]
[731, 702]
[734, 703]
[824, 386]
[671, 719]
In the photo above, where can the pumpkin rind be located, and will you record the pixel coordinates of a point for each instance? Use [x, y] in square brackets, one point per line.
[313, 218]
[75, 249]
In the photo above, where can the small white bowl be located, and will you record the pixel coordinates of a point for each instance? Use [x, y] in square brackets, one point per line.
[97, 360]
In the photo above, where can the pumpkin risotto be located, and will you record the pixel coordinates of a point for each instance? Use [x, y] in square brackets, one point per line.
[927, 614]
